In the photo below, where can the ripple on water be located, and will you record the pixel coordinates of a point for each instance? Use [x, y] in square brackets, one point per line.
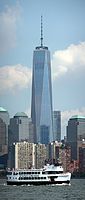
[76, 191]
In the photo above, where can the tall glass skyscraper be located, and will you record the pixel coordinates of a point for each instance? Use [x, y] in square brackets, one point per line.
[75, 134]
[41, 105]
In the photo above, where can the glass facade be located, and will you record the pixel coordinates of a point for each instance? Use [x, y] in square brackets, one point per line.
[4, 122]
[57, 125]
[75, 134]
[18, 131]
[4, 115]
[18, 128]
[41, 105]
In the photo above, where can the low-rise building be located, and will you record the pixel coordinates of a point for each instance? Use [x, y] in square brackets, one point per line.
[82, 158]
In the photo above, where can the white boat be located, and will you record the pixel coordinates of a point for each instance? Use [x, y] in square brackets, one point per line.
[50, 174]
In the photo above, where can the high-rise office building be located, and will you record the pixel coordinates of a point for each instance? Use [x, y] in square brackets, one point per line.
[4, 115]
[75, 134]
[19, 128]
[2, 133]
[41, 105]
[4, 122]
[57, 125]
[18, 131]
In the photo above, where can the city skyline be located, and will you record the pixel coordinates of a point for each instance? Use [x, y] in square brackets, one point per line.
[64, 34]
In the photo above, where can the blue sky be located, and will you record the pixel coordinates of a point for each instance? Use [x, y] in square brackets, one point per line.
[64, 34]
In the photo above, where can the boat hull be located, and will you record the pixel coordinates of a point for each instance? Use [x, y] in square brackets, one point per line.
[37, 182]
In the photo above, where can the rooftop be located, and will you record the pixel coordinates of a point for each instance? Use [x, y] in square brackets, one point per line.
[20, 114]
[2, 110]
[78, 117]
[42, 47]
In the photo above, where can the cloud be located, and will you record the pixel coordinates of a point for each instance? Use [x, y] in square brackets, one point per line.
[68, 69]
[67, 114]
[14, 78]
[69, 60]
[8, 27]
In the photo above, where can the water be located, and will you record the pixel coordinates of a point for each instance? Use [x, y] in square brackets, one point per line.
[75, 191]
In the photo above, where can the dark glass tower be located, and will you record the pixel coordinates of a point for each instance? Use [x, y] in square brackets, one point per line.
[41, 105]
[75, 134]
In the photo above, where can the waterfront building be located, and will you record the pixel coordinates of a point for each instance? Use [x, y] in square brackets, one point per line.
[53, 151]
[19, 128]
[65, 156]
[41, 105]
[75, 134]
[74, 166]
[18, 131]
[2, 133]
[57, 125]
[3, 145]
[58, 152]
[4, 122]
[40, 155]
[4, 115]
[82, 157]
[24, 155]
[31, 131]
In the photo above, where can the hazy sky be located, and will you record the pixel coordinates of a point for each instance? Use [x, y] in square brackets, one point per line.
[64, 34]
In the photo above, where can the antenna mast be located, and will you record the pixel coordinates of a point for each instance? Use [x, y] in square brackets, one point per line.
[41, 32]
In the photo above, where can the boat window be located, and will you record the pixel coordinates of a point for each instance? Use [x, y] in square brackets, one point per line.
[9, 173]
[25, 178]
[20, 178]
[43, 172]
[38, 177]
[15, 173]
[20, 173]
[54, 172]
[51, 172]
[32, 172]
[25, 172]
[60, 172]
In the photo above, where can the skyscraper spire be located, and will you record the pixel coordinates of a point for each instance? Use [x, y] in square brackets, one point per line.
[41, 32]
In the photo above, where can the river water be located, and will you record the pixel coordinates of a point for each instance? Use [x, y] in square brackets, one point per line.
[76, 190]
